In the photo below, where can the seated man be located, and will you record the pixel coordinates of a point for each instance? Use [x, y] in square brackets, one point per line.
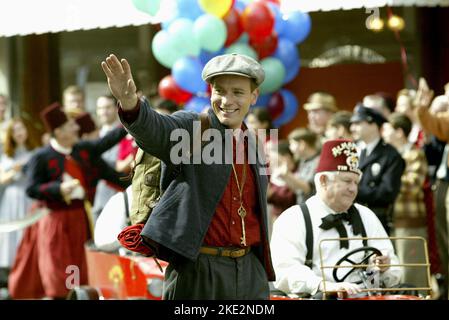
[298, 270]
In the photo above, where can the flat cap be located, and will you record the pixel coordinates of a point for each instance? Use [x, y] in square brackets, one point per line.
[370, 115]
[321, 100]
[235, 64]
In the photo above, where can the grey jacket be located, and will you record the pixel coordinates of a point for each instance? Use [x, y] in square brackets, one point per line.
[191, 191]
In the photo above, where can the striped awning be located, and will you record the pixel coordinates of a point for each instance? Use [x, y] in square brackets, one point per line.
[22, 17]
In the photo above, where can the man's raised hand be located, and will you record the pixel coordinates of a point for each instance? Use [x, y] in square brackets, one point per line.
[120, 81]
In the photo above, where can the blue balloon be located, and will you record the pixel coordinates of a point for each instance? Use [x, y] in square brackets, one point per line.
[197, 104]
[279, 23]
[262, 100]
[297, 28]
[187, 74]
[205, 56]
[189, 9]
[292, 72]
[290, 108]
[240, 5]
[288, 53]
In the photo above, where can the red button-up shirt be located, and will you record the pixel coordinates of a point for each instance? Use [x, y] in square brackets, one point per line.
[225, 228]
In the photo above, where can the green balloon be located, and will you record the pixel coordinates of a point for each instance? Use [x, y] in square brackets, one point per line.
[148, 6]
[183, 39]
[162, 47]
[274, 75]
[242, 48]
[210, 32]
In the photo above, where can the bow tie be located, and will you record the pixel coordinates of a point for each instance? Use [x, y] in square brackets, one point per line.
[335, 220]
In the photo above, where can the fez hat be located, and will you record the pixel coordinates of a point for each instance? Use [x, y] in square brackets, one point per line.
[370, 115]
[86, 123]
[234, 64]
[53, 117]
[321, 100]
[339, 155]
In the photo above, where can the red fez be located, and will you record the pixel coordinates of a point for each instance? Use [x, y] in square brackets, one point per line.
[86, 123]
[339, 155]
[53, 117]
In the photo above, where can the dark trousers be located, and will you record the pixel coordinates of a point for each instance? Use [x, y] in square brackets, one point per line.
[216, 278]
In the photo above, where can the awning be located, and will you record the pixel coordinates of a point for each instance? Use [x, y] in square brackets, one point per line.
[329, 5]
[22, 17]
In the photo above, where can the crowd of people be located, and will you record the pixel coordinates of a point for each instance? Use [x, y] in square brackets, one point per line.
[377, 169]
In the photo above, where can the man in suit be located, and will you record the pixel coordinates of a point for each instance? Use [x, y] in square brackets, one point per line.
[381, 164]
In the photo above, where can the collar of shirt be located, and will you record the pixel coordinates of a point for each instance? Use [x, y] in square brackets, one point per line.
[370, 146]
[320, 206]
[55, 145]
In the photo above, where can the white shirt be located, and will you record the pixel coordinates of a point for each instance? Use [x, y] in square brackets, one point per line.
[288, 248]
[111, 221]
[370, 146]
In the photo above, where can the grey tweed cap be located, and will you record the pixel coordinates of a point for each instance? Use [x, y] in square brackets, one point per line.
[236, 64]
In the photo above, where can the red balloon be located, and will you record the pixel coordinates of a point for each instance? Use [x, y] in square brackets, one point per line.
[265, 46]
[273, 1]
[234, 26]
[169, 89]
[275, 105]
[258, 20]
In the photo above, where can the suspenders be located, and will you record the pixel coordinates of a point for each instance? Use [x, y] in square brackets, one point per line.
[309, 231]
[309, 235]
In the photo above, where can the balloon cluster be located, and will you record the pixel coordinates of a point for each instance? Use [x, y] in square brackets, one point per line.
[202, 29]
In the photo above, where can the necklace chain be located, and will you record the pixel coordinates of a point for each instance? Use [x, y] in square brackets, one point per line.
[240, 187]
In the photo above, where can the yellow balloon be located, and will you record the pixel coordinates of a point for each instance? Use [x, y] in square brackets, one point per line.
[218, 8]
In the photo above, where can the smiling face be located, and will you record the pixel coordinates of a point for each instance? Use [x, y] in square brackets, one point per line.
[231, 98]
[340, 192]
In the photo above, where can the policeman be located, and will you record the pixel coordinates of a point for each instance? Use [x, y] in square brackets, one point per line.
[382, 166]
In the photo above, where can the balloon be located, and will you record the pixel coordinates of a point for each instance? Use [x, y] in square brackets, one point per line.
[169, 20]
[182, 38]
[244, 38]
[298, 25]
[197, 104]
[187, 74]
[287, 52]
[210, 32]
[265, 46]
[242, 48]
[189, 9]
[148, 6]
[292, 72]
[258, 20]
[279, 22]
[290, 108]
[275, 105]
[234, 26]
[169, 89]
[205, 56]
[274, 75]
[240, 5]
[263, 99]
[162, 48]
[215, 7]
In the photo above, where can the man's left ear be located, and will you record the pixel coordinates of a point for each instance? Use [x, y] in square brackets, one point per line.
[254, 96]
